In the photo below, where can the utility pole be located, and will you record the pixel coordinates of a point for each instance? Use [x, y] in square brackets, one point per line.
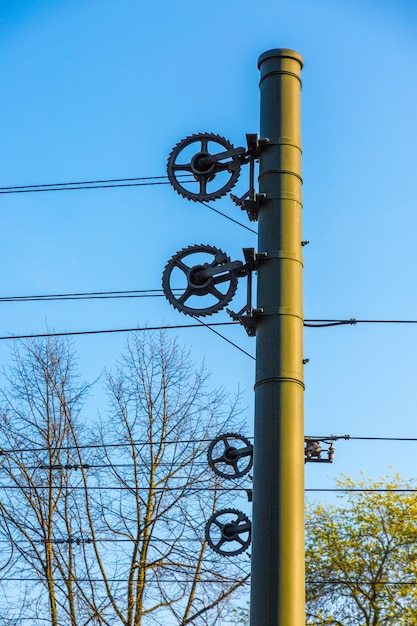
[278, 571]
[277, 529]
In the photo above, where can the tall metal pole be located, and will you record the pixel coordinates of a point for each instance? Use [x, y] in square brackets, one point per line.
[278, 578]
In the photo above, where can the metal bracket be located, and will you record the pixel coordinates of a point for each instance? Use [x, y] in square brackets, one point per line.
[247, 315]
[250, 201]
[313, 448]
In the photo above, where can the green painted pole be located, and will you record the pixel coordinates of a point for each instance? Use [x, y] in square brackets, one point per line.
[278, 571]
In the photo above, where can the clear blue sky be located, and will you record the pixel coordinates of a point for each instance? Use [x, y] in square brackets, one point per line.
[98, 89]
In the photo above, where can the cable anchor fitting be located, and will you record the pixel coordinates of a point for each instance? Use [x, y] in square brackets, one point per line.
[251, 200]
[248, 315]
[313, 448]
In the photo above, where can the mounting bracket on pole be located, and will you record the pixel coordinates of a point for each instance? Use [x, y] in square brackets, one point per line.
[250, 201]
[247, 315]
[313, 448]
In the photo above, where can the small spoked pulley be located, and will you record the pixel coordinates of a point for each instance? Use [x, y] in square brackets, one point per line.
[230, 455]
[204, 166]
[200, 280]
[228, 532]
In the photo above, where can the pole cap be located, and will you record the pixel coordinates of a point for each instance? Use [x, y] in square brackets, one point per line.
[282, 53]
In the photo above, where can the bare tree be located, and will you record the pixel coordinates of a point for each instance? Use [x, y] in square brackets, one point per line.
[106, 522]
[40, 407]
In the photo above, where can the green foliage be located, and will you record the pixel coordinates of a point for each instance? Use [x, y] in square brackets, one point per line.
[240, 615]
[361, 556]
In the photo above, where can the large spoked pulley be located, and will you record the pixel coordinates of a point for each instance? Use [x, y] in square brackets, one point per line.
[230, 455]
[212, 162]
[228, 532]
[200, 280]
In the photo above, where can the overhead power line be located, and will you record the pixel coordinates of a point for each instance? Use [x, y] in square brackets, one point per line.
[110, 330]
[132, 489]
[216, 581]
[88, 466]
[365, 489]
[158, 293]
[353, 322]
[87, 182]
[144, 181]
[227, 217]
[88, 295]
[222, 336]
[86, 540]
[79, 187]
[384, 438]
[359, 583]
[309, 323]
[242, 581]
[129, 330]
[90, 446]
[138, 181]
[110, 183]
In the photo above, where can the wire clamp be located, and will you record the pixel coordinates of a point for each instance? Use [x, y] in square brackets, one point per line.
[251, 200]
[248, 315]
[313, 448]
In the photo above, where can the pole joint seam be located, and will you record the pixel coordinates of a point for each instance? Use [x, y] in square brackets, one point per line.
[279, 379]
[281, 254]
[275, 72]
[291, 196]
[292, 173]
[283, 141]
[284, 255]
